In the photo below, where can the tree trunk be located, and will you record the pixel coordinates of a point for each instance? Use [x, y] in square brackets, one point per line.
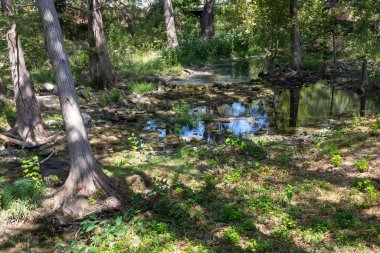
[332, 100]
[2, 90]
[294, 104]
[129, 19]
[334, 50]
[170, 24]
[207, 20]
[101, 69]
[295, 37]
[334, 41]
[364, 79]
[85, 175]
[6, 7]
[29, 124]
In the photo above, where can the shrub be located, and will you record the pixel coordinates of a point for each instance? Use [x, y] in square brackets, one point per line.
[371, 196]
[181, 108]
[336, 160]
[361, 165]
[376, 125]
[232, 212]
[231, 235]
[31, 169]
[248, 225]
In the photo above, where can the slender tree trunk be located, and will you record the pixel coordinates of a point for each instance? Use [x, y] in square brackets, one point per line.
[207, 20]
[364, 79]
[128, 18]
[170, 24]
[6, 7]
[332, 100]
[101, 69]
[334, 54]
[85, 175]
[334, 50]
[2, 90]
[295, 37]
[29, 124]
[294, 103]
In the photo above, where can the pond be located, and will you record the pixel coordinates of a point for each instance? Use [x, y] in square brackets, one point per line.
[310, 107]
[233, 72]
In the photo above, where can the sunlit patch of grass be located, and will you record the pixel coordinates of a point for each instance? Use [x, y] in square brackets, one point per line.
[8, 116]
[41, 76]
[19, 198]
[241, 197]
[146, 64]
[141, 87]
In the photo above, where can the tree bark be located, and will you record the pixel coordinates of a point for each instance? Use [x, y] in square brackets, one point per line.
[332, 100]
[29, 124]
[101, 69]
[85, 175]
[170, 24]
[6, 7]
[334, 49]
[295, 38]
[2, 90]
[294, 104]
[364, 78]
[334, 41]
[207, 20]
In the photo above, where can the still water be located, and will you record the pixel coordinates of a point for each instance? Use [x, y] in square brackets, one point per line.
[231, 72]
[313, 106]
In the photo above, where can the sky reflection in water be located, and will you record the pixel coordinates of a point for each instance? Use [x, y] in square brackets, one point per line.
[317, 106]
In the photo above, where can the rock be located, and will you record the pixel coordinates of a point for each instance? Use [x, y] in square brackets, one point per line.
[49, 87]
[136, 184]
[86, 119]
[49, 101]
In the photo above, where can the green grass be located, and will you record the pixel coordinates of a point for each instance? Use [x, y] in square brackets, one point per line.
[113, 96]
[240, 196]
[141, 87]
[231, 235]
[8, 116]
[19, 198]
[23, 189]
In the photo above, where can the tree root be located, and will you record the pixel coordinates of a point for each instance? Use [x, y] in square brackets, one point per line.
[72, 199]
[25, 144]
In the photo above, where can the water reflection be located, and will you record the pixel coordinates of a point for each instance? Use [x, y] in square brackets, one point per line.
[231, 72]
[294, 105]
[312, 106]
[151, 125]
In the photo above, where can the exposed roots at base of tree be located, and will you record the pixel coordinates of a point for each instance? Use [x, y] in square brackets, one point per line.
[74, 202]
[26, 144]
